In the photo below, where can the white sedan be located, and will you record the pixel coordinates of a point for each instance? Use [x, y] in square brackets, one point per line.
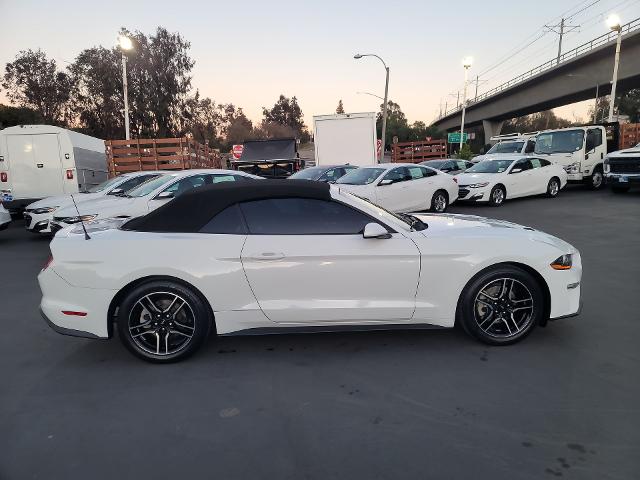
[146, 197]
[38, 215]
[282, 256]
[402, 187]
[5, 217]
[494, 181]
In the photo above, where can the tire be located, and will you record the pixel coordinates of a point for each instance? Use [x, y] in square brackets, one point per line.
[553, 187]
[620, 189]
[439, 201]
[151, 319]
[497, 196]
[486, 306]
[596, 180]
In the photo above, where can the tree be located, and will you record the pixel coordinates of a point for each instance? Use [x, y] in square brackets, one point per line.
[535, 122]
[627, 103]
[340, 108]
[397, 124]
[465, 152]
[33, 81]
[287, 112]
[12, 116]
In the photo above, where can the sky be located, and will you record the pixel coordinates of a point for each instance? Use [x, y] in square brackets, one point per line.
[249, 52]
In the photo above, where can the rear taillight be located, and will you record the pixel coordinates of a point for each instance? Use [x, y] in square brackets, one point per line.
[69, 174]
[48, 262]
[4, 177]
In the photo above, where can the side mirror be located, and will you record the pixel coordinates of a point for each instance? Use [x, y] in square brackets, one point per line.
[516, 170]
[386, 181]
[163, 195]
[375, 230]
[116, 191]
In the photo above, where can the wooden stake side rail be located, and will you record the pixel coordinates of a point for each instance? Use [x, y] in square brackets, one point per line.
[159, 154]
[629, 135]
[416, 152]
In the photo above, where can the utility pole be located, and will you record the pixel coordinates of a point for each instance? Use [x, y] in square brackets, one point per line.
[561, 29]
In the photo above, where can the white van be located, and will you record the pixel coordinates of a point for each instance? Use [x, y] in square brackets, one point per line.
[38, 161]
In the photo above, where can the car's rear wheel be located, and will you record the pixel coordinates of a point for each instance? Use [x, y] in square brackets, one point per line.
[501, 306]
[163, 321]
[497, 196]
[553, 187]
[620, 189]
[439, 201]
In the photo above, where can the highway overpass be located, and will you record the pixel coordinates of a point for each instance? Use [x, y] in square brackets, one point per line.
[554, 84]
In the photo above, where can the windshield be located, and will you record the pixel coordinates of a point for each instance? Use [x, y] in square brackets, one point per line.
[147, 187]
[382, 213]
[562, 141]
[507, 147]
[105, 185]
[437, 164]
[311, 173]
[490, 166]
[361, 176]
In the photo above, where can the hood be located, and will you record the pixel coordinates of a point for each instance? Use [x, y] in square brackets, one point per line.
[471, 178]
[447, 224]
[62, 201]
[633, 151]
[102, 206]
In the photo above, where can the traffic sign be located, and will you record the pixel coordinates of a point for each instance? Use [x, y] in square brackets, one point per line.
[455, 137]
[237, 151]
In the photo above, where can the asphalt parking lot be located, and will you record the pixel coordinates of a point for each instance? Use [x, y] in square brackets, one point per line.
[415, 404]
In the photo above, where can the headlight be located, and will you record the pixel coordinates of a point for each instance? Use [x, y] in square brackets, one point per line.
[39, 211]
[479, 185]
[563, 262]
[606, 165]
[573, 168]
[81, 218]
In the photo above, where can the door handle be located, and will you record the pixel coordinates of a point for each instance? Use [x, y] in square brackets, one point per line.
[267, 256]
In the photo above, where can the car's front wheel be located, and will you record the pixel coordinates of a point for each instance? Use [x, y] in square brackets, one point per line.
[497, 196]
[501, 306]
[439, 201]
[163, 321]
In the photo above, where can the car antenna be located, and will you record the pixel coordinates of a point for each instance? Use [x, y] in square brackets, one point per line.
[86, 235]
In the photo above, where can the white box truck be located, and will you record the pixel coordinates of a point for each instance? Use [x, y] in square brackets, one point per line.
[345, 138]
[38, 161]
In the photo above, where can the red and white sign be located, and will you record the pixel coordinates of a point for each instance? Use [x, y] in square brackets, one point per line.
[237, 151]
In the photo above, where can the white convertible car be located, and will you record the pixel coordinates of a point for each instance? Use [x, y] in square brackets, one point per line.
[402, 187]
[494, 181]
[296, 255]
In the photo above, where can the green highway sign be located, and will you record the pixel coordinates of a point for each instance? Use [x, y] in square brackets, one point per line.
[455, 137]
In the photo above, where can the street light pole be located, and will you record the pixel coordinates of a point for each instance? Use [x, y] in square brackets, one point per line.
[125, 44]
[466, 63]
[358, 56]
[614, 24]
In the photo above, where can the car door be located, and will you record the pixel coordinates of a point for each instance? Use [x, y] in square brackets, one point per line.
[307, 262]
[539, 177]
[393, 190]
[519, 178]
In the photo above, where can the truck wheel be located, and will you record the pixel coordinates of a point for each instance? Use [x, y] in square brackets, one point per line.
[596, 181]
[620, 189]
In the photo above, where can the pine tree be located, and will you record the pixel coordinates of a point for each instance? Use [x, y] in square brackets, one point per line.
[340, 108]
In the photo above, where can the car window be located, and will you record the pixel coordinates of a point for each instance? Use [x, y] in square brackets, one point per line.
[535, 162]
[226, 178]
[229, 221]
[188, 183]
[397, 175]
[133, 183]
[302, 216]
[468, 164]
[417, 172]
[594, 138]
[428, 172]
[524, 164]
[331, 175]
[361, 176]
[543, 162]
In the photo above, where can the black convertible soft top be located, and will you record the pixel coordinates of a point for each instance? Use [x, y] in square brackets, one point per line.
[193, 209]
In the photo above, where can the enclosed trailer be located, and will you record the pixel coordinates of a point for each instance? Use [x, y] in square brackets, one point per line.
[38, 161]
[345, 138]
[273, 158]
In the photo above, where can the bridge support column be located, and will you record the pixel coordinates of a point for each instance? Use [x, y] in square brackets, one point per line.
[491, 128]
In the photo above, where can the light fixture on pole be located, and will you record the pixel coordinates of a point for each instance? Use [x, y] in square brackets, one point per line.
[466, 63]
[125, 45]
[613, 22]
[358, 56]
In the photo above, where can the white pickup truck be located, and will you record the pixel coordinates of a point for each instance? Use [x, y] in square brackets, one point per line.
[622, 169]
[579, 150]
[508, 145]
